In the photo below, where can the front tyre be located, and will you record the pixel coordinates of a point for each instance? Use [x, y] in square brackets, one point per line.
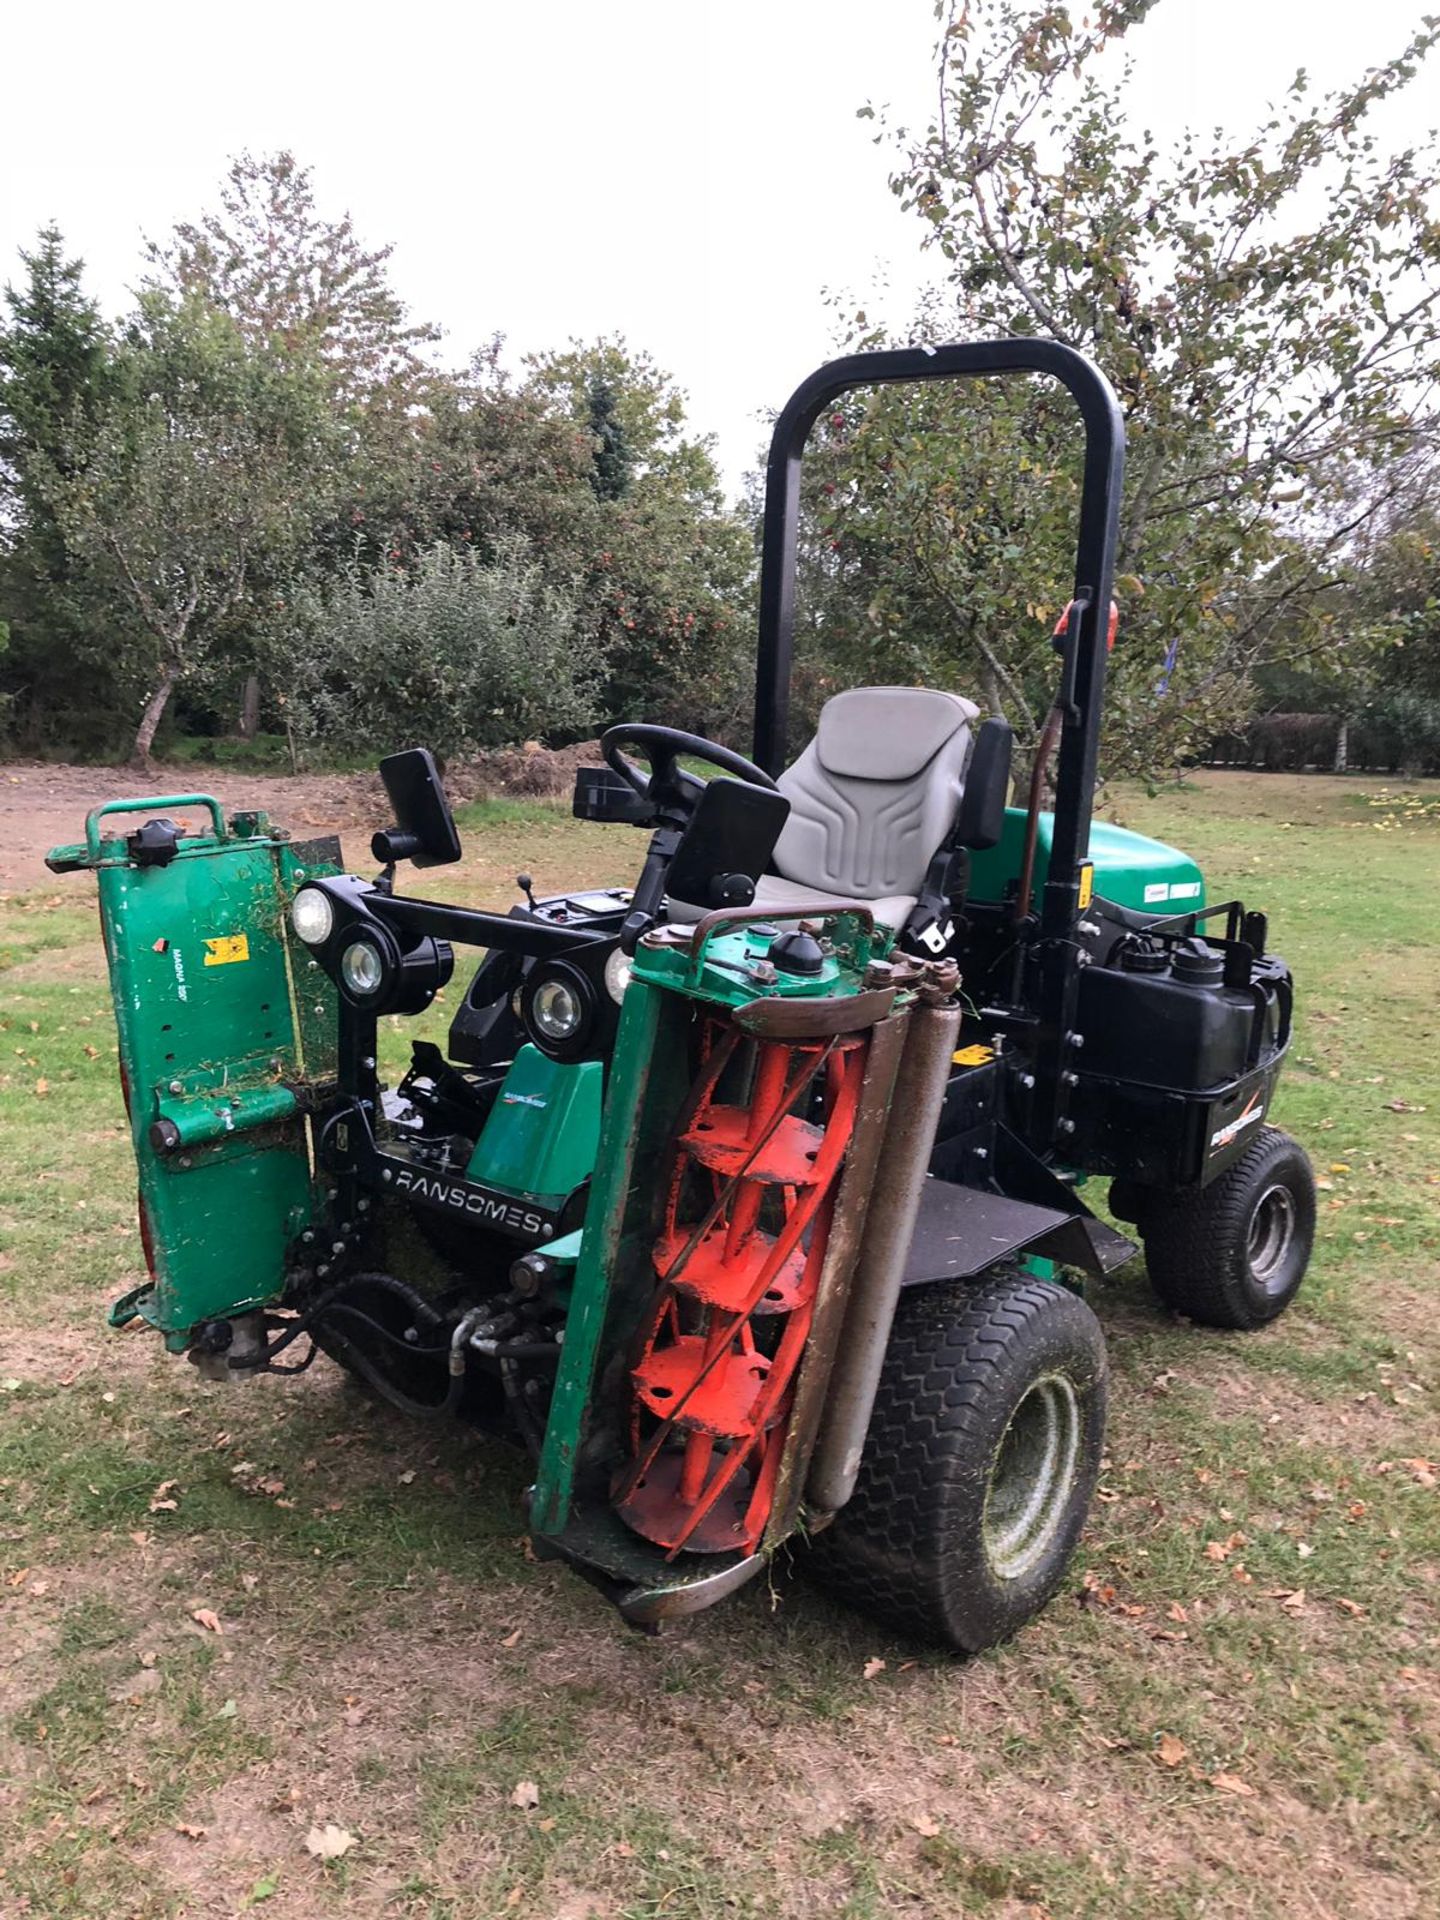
[1234, 1254]
[982, 1455]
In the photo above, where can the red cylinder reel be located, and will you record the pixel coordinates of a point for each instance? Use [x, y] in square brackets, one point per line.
[738, 1259]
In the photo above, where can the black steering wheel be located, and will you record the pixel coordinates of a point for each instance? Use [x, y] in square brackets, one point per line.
[667, 783]
[674, 794]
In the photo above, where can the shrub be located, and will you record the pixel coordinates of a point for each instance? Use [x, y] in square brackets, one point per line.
[449, 651]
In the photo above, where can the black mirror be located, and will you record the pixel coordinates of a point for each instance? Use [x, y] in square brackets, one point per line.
[981, 818]
[424, 829]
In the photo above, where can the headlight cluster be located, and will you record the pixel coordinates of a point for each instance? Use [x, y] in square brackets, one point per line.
[367, 961]
[312, 916]
[559, 1009]
[618, 969]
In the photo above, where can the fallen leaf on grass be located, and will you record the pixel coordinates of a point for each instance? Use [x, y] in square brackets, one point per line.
[1292, 1599]
[525, 1795]
[191, 1833]
[160, 1500]
[924, 1825]
[1421, 1471]
[207, 1618]
[1171, 1750]
[512, 1639]
[1222, 1549]
[1232, 1783]
[871, 1667]
[1352, 1607]
[264, 1889]
[1176, 1612]
[329, 1842]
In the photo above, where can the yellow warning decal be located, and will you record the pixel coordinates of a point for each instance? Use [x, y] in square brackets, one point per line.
[1087, 883]
[225, 951]
[973, 1056]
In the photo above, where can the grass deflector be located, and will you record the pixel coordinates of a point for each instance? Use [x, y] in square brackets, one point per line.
[748, 1199]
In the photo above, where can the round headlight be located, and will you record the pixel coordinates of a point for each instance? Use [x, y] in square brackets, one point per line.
[362, 969]
[312, 916]
[617, 975]
[557, 1011]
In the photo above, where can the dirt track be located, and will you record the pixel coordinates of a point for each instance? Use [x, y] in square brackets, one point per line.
[44, 806]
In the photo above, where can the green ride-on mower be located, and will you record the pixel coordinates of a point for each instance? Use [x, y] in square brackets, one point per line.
[747, 1200]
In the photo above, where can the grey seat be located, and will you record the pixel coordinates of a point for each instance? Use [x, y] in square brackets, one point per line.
[871, 799]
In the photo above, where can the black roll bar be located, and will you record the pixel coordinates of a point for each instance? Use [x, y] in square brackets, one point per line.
[1084, 681]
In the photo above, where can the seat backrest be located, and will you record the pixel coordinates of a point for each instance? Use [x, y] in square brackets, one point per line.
[875, 792]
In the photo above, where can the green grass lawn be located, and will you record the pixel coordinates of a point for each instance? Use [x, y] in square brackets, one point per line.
[1232, 1708]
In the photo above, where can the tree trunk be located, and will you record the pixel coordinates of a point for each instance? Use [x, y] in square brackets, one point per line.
[1342, 746]
[150, 720]
[250, 707]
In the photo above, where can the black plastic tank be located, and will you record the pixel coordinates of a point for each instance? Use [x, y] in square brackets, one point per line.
[1165, 1018]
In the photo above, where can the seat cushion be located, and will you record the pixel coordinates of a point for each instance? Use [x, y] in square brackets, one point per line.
[888, 733]
[784, 896]
[779, 895]
[874, 794]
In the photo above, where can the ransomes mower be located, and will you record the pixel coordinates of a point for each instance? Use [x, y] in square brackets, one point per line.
[748, 1199]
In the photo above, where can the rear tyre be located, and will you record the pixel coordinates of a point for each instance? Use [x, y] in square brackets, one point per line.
[982, 1455]
[1234, 1254]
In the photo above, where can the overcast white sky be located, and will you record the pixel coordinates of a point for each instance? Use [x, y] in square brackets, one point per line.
[692, 175]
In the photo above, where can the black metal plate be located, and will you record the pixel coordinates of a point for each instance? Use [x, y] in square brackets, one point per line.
[960, 1231]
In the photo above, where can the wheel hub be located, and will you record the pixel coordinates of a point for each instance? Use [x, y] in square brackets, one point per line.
[1026, 1501]
[1272, 1230]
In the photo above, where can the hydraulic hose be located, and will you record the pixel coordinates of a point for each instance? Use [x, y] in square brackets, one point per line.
[1044, 752]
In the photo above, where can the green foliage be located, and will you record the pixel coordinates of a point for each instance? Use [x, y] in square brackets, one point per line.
[296, 284]
[56, 381]
[668, 568]
[451, 651]
[611, 473]
[207, 470]
[1270, 369]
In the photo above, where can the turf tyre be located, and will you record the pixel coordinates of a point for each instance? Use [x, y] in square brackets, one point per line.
[1234, 1254]
[972, 1376]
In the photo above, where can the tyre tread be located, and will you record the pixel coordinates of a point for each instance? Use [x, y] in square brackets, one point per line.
[948, 1350]
[1182, 1236]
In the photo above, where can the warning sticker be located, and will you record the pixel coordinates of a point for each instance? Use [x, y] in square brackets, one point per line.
[225, 951]
[1087, 884]
[977, 1056]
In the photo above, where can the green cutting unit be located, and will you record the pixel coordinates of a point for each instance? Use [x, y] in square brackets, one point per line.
[747, 1199]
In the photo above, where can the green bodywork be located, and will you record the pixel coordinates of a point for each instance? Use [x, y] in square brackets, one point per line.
[219, 1024]
[1129, 869]
[543, 1132]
